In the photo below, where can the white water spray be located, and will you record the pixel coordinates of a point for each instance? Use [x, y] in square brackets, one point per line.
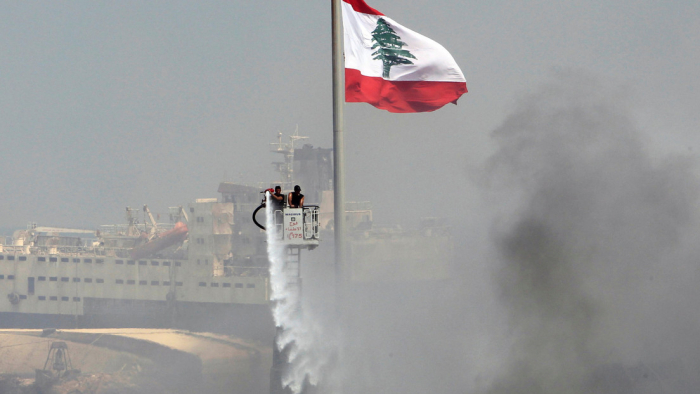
[310, 350]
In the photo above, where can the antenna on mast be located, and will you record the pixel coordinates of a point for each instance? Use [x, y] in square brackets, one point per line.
[286, 168]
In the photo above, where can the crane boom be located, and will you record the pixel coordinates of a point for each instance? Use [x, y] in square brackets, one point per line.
[154, 226]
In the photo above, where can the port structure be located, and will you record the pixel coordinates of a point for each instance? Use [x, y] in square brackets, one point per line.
[58, 366]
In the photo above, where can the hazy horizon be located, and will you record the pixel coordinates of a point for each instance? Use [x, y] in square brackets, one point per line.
[107, 105]
[569, 172]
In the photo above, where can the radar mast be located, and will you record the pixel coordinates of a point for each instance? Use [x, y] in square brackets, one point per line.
[286, 168]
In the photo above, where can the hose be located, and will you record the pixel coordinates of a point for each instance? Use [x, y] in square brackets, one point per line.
[255, 213]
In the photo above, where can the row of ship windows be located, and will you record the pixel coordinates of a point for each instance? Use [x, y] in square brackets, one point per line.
[167, 283]
[54, 298]
[89, 260]
[133, 282]
[143, 282]
[144, 262]
[237, 285]
[66, 279]
[51, 298]
[12, 257]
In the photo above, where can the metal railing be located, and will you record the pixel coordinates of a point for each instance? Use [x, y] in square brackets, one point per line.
[278, 215]
[65, 251]
[311, 228]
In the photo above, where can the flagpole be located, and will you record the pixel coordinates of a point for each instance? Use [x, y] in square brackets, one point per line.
[338, 153]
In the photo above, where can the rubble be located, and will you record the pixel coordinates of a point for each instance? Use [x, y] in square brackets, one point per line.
[127, 381]
[12, 384]
[102, 383]
[131, 361]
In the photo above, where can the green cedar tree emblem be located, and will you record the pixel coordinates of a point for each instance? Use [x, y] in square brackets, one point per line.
[389, 44]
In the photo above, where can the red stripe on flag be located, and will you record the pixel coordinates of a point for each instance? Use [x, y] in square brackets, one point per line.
[401, 96]
[361, 6]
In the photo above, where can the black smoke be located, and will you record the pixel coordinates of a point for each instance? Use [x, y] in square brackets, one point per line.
[577, 274]
[596, 256]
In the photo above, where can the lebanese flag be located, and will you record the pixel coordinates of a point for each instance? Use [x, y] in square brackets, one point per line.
[394, 68]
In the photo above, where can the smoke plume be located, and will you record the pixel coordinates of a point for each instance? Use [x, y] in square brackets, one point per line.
[595, 246]
[576, 275]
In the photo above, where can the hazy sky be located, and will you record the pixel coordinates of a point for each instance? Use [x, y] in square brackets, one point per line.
[109, 104]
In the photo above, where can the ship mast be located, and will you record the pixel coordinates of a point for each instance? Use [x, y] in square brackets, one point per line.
[286, 168]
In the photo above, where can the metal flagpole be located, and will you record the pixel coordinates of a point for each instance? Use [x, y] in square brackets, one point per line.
[338, 154]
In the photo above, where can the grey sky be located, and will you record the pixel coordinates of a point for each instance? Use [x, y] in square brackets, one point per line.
[109, 104]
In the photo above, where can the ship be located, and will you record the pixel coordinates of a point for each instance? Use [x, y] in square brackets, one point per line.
[203, 269]
[193, 274]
